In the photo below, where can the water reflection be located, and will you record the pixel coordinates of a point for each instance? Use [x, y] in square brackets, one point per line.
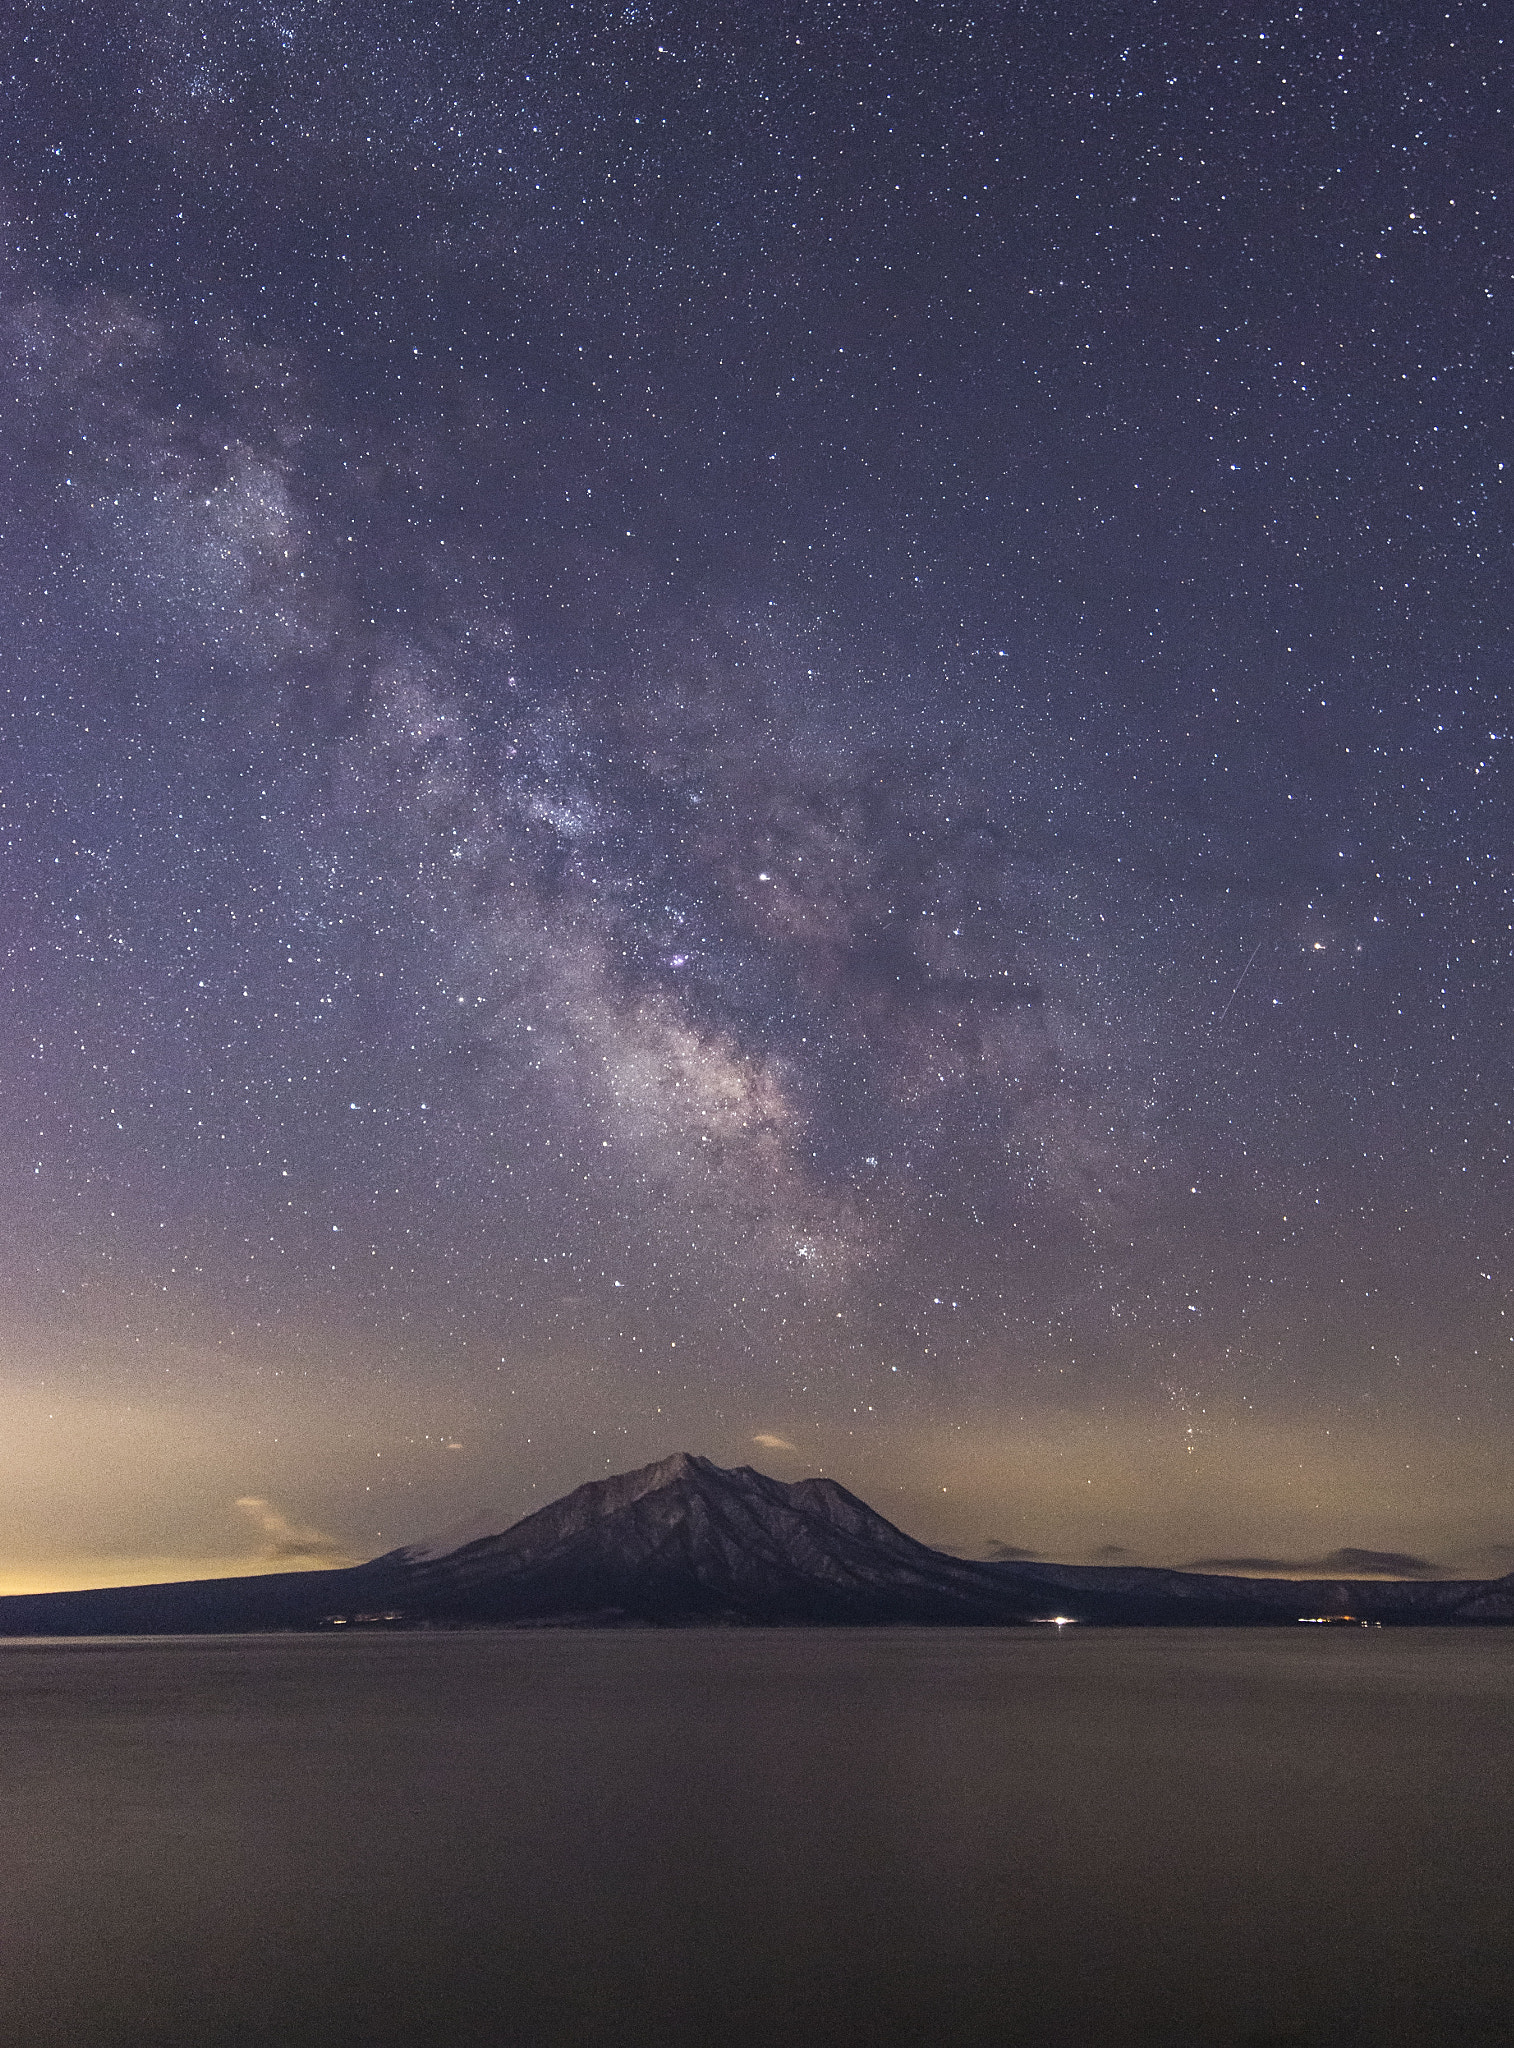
[1035, 1836]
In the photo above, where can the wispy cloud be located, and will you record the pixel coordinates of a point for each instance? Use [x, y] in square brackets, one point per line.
[769, 1442]
[285, 1541]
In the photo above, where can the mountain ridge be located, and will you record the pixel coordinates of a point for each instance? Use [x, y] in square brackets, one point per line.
[686, 1542]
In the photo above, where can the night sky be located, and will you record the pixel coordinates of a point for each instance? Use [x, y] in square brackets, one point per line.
[781, 730]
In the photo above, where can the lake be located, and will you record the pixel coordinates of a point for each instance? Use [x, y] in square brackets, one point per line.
[855, 1838]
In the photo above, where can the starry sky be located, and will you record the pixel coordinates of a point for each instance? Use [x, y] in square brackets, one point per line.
[781, 730]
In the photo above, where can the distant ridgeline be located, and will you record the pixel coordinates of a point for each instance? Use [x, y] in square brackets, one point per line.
[685, 1542]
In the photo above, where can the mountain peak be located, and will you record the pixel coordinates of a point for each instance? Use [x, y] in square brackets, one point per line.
[678, 1465]
[601, 1500]
[622, 1488]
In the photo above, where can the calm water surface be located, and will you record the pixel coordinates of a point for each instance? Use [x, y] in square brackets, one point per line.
[842, 1838]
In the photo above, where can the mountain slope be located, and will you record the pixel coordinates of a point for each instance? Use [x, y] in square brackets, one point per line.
[687, 1541]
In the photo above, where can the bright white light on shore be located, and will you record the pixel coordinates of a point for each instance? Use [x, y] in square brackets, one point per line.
[1057, 1621]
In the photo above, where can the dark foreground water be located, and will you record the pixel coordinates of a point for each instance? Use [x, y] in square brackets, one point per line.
[834, 1838]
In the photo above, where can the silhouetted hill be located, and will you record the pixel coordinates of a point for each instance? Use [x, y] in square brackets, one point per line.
[686, 1541]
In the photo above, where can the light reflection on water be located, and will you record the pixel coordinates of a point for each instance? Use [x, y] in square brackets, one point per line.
[849, 1838]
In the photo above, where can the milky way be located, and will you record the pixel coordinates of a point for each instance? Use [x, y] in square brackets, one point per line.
[785, 726]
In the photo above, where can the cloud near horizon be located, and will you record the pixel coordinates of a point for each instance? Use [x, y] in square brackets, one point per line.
[286, 1542]
[1347, 1562]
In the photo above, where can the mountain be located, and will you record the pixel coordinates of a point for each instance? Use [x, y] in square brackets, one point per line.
[686, 1541]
